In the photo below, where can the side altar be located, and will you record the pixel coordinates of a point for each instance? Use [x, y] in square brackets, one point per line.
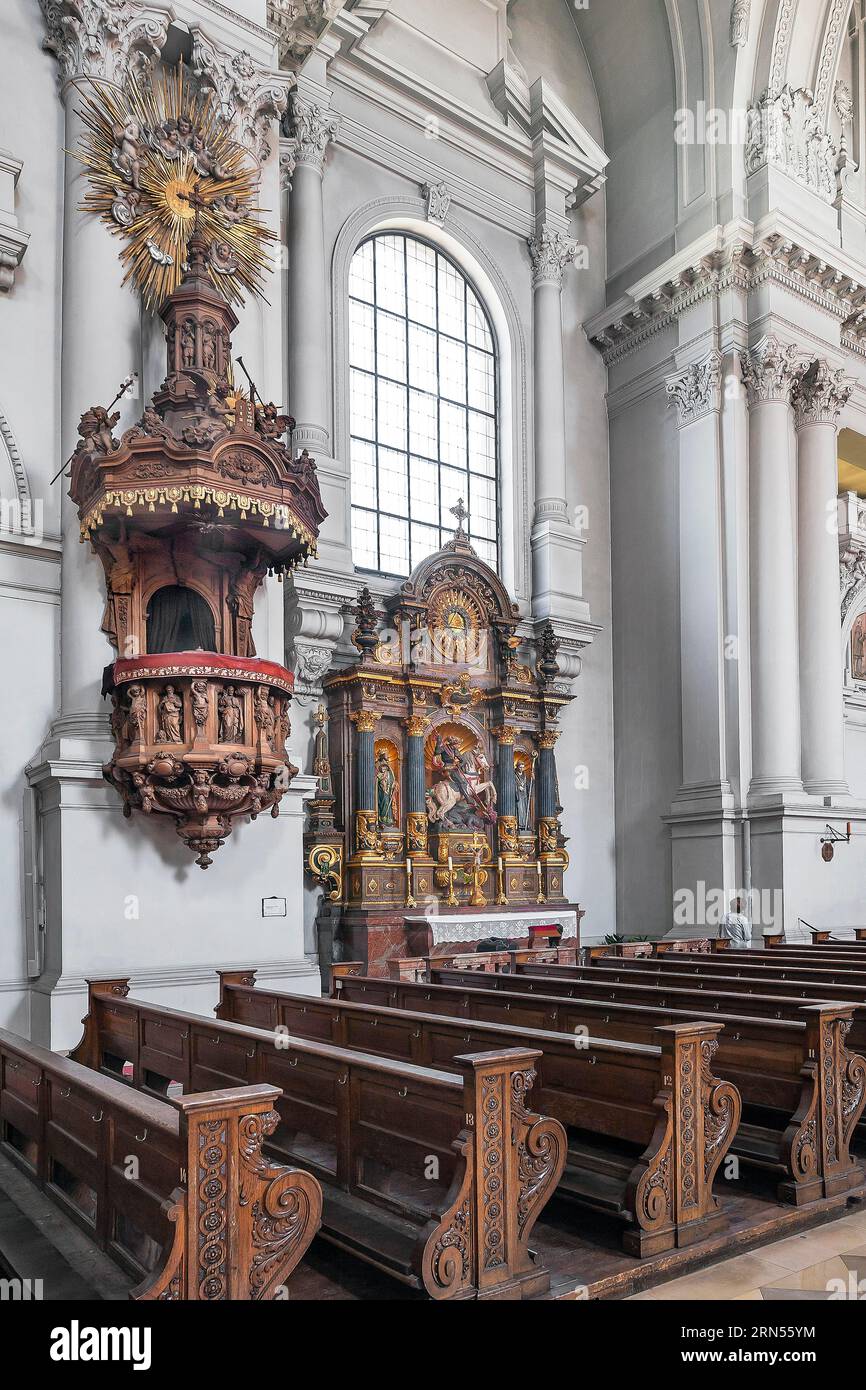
[437, 799]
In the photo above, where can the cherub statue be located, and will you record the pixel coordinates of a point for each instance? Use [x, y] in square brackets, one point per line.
[185, 133]
[270, 422]
[124, 209]
[229, 208]
[205, 160]
[95, 429]
[126, 155]
[167, 140]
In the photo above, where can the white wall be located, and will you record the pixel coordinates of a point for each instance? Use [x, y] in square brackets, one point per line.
[31, 129]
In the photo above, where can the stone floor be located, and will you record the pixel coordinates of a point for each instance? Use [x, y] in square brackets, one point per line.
[828, 1263]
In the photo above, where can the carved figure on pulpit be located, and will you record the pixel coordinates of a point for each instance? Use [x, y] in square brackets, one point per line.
[169, 712]
[241, 596]
[231, 716]
[386, 792]
[263, 710]
[136, 716]
[187, 343]
[200, 703]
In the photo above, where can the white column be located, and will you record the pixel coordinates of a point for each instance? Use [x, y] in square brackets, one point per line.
[557, 560]
[697, 395]
[770, 371]
[312, 127]
[818, 398]
[99, 346]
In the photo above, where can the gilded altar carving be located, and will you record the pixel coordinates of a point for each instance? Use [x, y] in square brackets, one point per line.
[444, 697]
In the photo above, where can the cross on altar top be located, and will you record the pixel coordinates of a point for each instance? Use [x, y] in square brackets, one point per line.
[459, 510]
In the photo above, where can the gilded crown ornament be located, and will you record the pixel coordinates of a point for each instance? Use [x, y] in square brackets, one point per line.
[162, 164]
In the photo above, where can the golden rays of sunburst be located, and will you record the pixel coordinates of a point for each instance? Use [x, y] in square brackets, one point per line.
[147, 150]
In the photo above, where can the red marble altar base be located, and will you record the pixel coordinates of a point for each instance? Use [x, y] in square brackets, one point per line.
[377, 937]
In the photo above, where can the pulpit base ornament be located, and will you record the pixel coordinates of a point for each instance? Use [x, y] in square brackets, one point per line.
[202, 738]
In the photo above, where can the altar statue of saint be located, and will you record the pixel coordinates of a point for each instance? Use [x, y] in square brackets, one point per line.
[524, 794]
[386, 792]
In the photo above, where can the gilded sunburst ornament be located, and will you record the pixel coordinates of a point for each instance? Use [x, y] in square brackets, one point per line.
[158, 156]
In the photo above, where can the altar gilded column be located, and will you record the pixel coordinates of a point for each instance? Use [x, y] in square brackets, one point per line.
[366, 817]
[818, 397]
[312, 128]
[416, 809]
[509, 842]
[547, 793]
[770, 371]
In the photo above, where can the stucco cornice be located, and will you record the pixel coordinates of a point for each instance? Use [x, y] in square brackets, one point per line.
[742, 256]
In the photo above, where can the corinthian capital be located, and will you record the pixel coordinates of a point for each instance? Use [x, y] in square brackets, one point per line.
[698, 390]
[820, 394]
[106, 39]
[551, 251]
[249, 97]
[311, 128]
[771, 370]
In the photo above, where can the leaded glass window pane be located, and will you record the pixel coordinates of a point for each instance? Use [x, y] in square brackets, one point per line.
[423, 405]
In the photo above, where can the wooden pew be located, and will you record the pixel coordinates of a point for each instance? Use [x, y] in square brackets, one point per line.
[689, 991]
[829, 975]
[819, 938]
[436, 1179]
[659, 1095]
[798, 1081]
[206, 1218]
[823, 957]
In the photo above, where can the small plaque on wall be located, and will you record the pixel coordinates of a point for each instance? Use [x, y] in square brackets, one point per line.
[273, 907]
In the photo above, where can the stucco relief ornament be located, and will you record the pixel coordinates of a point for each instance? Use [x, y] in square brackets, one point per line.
[438, 198]
[852, 577]
[697, 391]
[160, 162]
[313, 663]
[551, 251]
[843, 102]
[109, 39]
[310, 129]
[249, 99]
[740, 15]
[820, 394]
[771, 370]
[784, 129]
[298, 25]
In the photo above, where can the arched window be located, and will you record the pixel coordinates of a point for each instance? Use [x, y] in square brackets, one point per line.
[423, 420]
